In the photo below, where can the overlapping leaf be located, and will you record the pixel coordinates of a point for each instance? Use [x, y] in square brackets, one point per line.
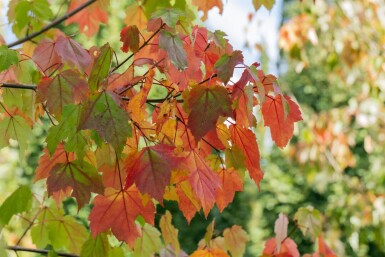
[67, 87]
[246, 141]
[102, 114]
[89, 19]
[151, 168]
[16, 128]
[203, 180]
[82, 177]
[207, 104]
[231, 182]
[117, 210]
[100, 68]
[280, 124]
[172, 44]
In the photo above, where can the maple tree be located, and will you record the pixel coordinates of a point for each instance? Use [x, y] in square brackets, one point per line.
[111, 144]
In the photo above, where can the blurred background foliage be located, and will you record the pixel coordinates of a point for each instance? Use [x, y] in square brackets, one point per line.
[332, 62]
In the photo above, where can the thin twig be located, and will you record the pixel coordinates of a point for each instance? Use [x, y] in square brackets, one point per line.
[19, 86]
[41, 251]
[52, 24]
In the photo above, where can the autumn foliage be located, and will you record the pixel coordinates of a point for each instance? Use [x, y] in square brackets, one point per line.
[112, 144]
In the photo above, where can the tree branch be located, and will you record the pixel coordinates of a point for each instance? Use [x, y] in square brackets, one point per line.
[41, 251]
[18, 86]
[52, 24]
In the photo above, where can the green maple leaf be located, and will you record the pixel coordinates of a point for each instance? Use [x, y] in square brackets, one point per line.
[53, 228]
[149, 243]
[100, 68]
[8, 57]
[75, 141]
[18, 202]
[14, 127]
[101, 113]
[309, 221]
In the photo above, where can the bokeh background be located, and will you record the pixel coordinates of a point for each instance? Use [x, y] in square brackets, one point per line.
[329, 56]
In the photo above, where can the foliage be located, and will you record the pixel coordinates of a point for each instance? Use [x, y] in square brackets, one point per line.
[120, 151]
[335, 71]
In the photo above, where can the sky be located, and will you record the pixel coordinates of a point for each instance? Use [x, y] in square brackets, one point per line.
[263, 28]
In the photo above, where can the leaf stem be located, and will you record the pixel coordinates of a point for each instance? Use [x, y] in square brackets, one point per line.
[41, 251]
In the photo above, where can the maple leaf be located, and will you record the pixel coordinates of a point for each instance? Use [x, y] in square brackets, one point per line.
[129, 36]
[230, 183]
[148, 243]
[16, 128]
[246, 141]
[226, 64]
[280, 230]
[47, 161]
[19, 201]
[118, 209]
[169, 232]
[89, 18]
[66, 131]
[193, 72]
[8, 57]
[207, 104]
[189, 204]
[202, 179]
[82, 177]
[324, 249]
[309, 220]
[243, 98]
[205, 6]
[281, 125]
[65, 88]
[172, 44]
[288, 248]
[235, 240]
[96, 247]
[72, 53]
[45, 56]
[54, 228]
[135, 16]
[113, 176]
[100, 68]
[102, 114]
[150, 169]
[209, 253]
[170, 16]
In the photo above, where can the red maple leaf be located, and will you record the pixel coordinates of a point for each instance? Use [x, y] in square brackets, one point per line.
[118, 209]
[151, 168]
[281, 125]
[89, 18]
[247, 142]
